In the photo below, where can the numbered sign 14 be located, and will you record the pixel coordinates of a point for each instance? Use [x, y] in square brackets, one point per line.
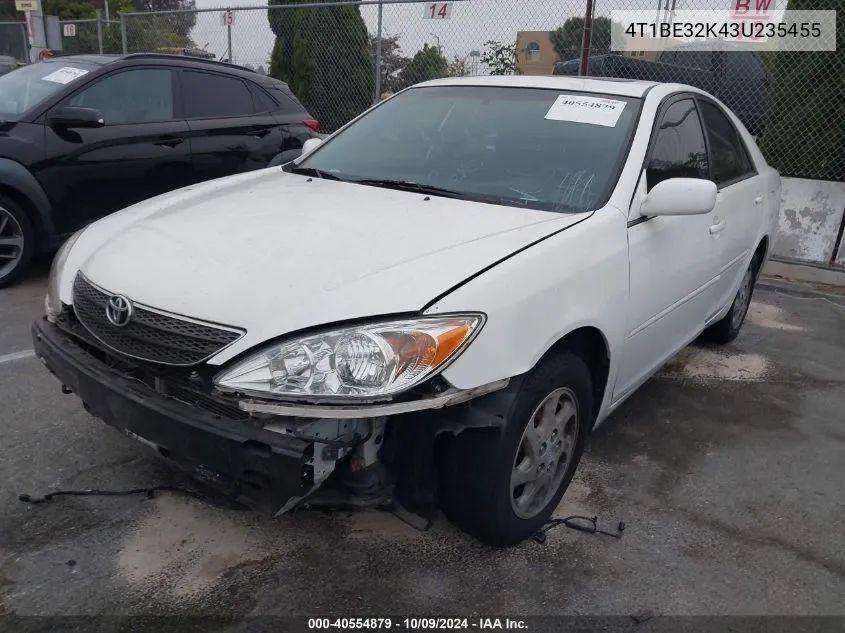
[438, 10]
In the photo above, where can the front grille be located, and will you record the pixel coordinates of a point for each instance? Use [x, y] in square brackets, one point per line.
[150, 335]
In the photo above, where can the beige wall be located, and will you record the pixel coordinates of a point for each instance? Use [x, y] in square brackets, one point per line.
[533, 62]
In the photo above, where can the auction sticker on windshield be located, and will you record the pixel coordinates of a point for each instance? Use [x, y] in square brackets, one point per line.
[65, 75]
[592, 110]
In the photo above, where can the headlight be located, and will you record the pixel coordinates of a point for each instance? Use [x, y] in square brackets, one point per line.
[354, 362]
[52, 302]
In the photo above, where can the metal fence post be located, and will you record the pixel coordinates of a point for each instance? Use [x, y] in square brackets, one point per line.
[377, 95]
[100, 30]
[229, 32]
[25, 44]
[123, 34]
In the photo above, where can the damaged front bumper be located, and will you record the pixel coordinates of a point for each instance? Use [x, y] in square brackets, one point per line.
[267, 456]
[253, 466]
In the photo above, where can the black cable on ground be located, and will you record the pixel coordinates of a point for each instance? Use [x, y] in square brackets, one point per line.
[149, 491]
[590, 525]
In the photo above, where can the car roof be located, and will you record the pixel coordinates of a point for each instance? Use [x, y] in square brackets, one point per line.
[187, 61]
[608, 85]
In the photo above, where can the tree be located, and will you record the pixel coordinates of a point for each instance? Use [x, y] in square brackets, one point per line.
[324, 55]
[567, 39]
[178, 23]
[392, 61]
[143, 32]
[459, 66]
[427, 64]
[500, 58]
[805, 124]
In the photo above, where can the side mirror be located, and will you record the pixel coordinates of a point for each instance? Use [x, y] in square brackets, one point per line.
[680, 196]
[72, 117]
[310, 145]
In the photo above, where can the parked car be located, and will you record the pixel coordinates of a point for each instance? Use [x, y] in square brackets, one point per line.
[83, 136]
[737, 77]
[442, 319]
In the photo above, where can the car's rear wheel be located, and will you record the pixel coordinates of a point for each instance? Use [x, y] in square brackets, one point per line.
[502, 486]
[17, 241]
[727, 329]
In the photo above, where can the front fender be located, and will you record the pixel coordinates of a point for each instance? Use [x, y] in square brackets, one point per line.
[575, 278]
[17, 177]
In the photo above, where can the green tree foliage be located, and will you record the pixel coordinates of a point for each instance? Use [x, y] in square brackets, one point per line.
[459, 66]
[500, 58]
[324, 55]
[427, 64]
[805, 131]
[177, 23]
[392, 61]
[143, 33]
[566, 39]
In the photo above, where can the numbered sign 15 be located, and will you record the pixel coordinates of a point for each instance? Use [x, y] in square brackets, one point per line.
[438, 10]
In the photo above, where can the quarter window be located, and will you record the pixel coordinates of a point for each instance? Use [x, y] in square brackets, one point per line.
[727, 153]
[679, 150]
[209, 96]
[144, 95]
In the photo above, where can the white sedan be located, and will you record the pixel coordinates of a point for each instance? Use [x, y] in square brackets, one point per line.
[433, 307]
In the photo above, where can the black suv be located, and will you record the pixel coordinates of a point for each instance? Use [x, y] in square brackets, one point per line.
[83, 136]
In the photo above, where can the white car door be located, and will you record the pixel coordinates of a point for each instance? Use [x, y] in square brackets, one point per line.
[674, 260]
[739, 202]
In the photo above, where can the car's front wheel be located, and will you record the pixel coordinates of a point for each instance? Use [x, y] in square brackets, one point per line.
[502, 485]
[17, 241]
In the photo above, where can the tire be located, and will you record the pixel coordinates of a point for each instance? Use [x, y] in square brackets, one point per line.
[727, 329]
[17, 241]
[475, 483]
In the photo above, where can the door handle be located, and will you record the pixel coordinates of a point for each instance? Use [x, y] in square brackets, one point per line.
[235, 148]
[717, 227]
[168, 141]
[258, 133]
[758, 200]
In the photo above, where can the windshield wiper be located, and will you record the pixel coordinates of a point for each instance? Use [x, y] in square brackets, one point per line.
[310, 171]
[406, 185]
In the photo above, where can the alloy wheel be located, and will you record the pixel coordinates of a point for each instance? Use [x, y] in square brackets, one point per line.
[545, 451]
[743, 298]
[11, 242]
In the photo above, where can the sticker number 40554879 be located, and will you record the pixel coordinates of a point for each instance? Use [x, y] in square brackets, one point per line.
[583, 109]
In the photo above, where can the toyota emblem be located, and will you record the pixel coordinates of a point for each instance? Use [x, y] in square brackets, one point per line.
[119, 310]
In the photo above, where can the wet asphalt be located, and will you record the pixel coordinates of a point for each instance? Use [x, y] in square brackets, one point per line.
[727, 469]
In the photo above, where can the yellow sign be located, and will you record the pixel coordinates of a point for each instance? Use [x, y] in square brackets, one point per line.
[26, 5]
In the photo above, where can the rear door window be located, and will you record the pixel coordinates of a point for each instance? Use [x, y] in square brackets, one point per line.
[728, 156]
[209, 96]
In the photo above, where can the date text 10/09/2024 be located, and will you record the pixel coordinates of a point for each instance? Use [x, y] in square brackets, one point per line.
[417, 624]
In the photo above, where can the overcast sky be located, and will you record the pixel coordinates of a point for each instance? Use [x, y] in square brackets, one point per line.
[472, 22]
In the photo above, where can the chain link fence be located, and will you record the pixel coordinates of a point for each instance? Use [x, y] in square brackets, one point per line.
[339, 57]
[94, 35]
[13, 41]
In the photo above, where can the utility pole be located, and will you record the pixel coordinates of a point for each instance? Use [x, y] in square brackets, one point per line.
[585, 41]
[439, 48]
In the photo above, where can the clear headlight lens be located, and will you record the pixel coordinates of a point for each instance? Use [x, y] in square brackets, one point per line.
[356, 362]
[52, 302]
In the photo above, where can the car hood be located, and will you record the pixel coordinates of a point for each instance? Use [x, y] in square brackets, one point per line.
[272, 252]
